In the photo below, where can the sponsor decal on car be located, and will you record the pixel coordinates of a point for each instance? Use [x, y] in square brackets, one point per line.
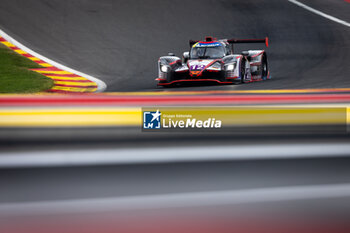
[213, 44]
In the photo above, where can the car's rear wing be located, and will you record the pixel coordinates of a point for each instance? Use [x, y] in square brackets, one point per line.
[234, 41]
[245, 41]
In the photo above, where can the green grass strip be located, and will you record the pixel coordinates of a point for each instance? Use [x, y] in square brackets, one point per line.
[15, 76]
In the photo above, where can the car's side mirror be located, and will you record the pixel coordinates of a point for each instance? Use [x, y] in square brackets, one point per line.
[245, 53]
[186, 56]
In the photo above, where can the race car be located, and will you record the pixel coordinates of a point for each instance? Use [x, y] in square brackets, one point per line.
[214, 60]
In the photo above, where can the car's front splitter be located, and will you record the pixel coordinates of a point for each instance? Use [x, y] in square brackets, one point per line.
[194, 80]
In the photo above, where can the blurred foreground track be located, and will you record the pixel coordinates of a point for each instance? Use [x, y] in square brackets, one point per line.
[119, 110]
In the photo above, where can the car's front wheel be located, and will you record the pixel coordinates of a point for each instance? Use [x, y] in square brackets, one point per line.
[264, 67]
[242, 71]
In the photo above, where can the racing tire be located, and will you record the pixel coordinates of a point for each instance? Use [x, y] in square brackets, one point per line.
[264, 67]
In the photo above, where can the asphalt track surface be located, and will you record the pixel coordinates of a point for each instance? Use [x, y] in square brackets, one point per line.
[119, 42]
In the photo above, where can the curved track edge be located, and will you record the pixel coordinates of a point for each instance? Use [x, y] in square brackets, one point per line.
[66, 80]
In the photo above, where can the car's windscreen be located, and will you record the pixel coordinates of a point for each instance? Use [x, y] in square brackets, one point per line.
[207, 52]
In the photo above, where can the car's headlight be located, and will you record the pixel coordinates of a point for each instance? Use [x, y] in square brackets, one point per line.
[164, 68]
[230, 67]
